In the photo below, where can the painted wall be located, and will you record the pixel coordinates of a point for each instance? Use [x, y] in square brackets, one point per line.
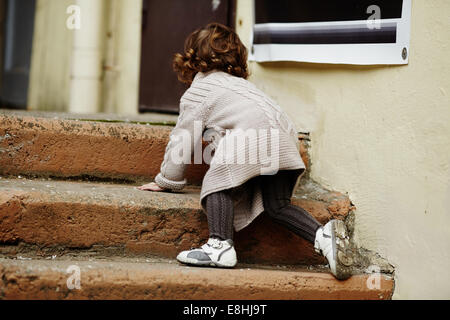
[91, 69]
[382, 134]
[122, 57]
[51, 57]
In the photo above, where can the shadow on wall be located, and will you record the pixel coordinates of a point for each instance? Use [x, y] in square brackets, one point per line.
[292, 65]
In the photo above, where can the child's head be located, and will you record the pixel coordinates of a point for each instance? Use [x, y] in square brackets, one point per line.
[213, 47]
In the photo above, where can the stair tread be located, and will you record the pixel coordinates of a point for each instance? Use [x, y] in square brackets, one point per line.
[59, 215]
[121, 278]
[76, 146]
[148, 117]
[99, 191]
[92, 189]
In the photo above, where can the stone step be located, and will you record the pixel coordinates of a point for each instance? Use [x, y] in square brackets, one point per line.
[87, 146]
[163, 279]
[89, 218]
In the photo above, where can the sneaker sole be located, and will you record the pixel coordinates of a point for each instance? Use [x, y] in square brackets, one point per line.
[341, 251]
[197, 263]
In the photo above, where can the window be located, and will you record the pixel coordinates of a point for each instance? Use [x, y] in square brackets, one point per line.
[330, 31]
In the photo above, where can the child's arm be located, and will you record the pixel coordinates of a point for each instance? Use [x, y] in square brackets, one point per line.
[180, 148]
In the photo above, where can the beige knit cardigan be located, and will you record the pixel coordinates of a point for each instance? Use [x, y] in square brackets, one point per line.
[222, 104]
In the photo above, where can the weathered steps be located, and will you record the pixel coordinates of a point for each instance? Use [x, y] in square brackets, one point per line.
[56, 216]
[159, 279]
[47, 145]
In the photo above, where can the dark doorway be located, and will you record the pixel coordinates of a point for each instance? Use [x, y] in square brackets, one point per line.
[165, 26]
[16, 39]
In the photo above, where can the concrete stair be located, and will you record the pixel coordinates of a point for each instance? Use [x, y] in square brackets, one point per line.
[165, 279]
[75, 146]
[98, 217]
[67, 190]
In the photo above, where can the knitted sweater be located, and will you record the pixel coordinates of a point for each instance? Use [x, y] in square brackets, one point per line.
[249, 135]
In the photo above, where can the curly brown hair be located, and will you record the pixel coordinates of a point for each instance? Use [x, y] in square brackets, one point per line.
[215, 46]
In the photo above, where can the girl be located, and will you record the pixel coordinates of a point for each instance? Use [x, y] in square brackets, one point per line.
[223, 107]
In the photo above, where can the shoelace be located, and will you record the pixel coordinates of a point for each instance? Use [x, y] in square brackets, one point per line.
[215, 243]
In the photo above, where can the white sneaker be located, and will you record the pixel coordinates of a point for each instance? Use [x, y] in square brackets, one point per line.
[214, 253]
[332, 241]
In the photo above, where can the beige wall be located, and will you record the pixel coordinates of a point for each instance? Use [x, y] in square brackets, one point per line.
[93, 69]
[51, 58]
[382, 134]
[122, 57]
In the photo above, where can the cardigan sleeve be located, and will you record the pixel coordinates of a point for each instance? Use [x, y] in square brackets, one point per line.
[184, 139]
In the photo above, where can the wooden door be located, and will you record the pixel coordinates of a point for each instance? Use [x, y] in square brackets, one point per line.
[17, 39]
[165, 26]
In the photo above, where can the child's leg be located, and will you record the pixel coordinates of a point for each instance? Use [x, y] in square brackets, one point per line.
[220, 213]
[219, 250]
[276, 192]
[329, 239]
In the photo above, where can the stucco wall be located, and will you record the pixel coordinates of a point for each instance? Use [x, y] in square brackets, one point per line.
[49, 84]
[93, 69]
[382, 134]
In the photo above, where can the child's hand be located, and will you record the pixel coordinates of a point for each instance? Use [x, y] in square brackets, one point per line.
[150, 187]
